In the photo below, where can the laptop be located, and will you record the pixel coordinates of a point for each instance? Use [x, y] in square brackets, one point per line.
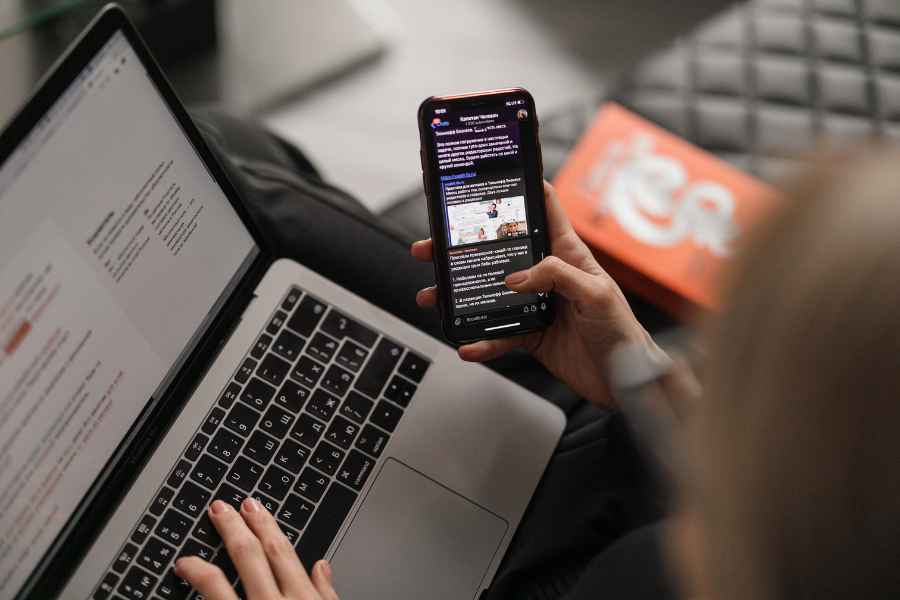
[155, 357]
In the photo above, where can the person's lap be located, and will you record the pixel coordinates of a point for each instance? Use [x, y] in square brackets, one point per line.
[595, 489]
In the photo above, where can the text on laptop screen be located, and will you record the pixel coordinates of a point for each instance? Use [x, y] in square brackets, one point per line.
[115, 246]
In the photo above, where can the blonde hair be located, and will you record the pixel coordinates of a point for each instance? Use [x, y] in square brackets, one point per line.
[801, 495]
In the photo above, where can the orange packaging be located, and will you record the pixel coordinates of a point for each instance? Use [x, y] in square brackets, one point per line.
[662, 215]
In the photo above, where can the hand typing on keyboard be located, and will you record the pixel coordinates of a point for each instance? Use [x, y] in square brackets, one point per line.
[263, 556]
[592, 314]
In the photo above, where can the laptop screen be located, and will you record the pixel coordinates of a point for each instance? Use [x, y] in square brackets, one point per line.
[116, 248]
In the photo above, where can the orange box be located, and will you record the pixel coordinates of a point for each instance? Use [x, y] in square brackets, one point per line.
[662, 215]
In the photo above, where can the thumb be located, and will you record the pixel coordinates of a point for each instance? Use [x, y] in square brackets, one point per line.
[555, 275]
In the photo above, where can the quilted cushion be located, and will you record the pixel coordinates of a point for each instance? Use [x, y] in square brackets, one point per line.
[764, 82]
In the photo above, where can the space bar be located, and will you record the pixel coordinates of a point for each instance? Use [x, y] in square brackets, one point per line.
[325, 524]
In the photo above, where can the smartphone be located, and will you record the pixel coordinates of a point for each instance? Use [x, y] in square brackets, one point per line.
[483, 177]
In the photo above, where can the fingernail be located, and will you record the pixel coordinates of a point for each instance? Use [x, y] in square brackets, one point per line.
[251, 505]
[326, 570]
[178, 567]
[516, 278]
[218, 507]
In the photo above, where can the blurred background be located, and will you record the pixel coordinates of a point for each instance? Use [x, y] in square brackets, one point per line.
[343, 78]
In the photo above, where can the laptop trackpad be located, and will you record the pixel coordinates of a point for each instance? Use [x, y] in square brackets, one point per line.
[414, 538]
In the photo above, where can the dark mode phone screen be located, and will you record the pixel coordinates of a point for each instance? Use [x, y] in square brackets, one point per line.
[481, 174]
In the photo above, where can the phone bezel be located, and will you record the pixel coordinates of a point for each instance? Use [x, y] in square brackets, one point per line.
[531, 152]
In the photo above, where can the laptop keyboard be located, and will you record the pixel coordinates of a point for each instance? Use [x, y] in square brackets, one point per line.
[299, 427]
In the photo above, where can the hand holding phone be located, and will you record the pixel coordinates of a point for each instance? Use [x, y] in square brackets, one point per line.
[482, 171]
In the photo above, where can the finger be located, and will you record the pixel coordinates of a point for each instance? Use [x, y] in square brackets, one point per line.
[422, 250]
[204, 577]
[555, 275]
[288, 570]
[321, 578]
[490, 349]
[245, 550]
[558, 223]
[427, 297]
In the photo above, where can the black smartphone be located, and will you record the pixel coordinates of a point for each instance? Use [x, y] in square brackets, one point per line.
[483, 177]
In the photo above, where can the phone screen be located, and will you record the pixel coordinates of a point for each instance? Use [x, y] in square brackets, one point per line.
[486, 189]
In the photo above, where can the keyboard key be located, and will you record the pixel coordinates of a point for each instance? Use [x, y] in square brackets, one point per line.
[161, 501]
[325, 524]
[173, 527]
[337, 380]
[213, 420]
[356, 469]
[230, 495]
[245, 370]
[155, 556]
[125, 557]
[194, 548]
[322, 405]
[309, 313]
[107, 586]
[269, 504]
[208, 472]
[137, 584]
[342, 432]
[260, 447]
[143, 529]
[225, 445]
[291, 456]
[372, 441]
[290, 300]
[206, 532]
[178, 474]
[229, 395]
[244, 474]
[322, 347]
[356, 407]
[327, 458]
[413, 366]
[340, 326]
[277, 421]
[295, 511]
[196, 447]
[258, 394]
[173, 587]
[289, 533]
[400, 391]
[351, 356]
[386, 416]
[379, 368]
[307, 371]
[288, 346]
[277, 322]
[261, 345]
[311, 484]
[223, 561]
[242, 419]
[307, 430]
[292, 396]
[276, 482]
[192, 499]
[273, 369]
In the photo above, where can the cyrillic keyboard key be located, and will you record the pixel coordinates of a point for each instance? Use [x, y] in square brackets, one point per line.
[242, 419]
[337, 380]
[260, 447]
[290, 533]
[322, 405]
[340, 326]
[308, 314]
[269, 504]
[292, 396]
[355, 469]
[192, 499]
[356, 407]
[213, 420]
[155, 556]
[307, 430]
[229, 395]
[261, 345]
[413, 366]
[288, 346]
[276, 322]
[386, 415]
[295, 511]
[161, 501]
[245, 370]
[292, 456]
[179, 473]
[244, 474]
[173, 587]
[307, 371]
[323, 527]
[126, 556]
[327, 458]
[276, 421]
[230, 495]
[173, 527]
[311, 484]
[322, 347]
[206, 532]
[194, 548]
[197, 445]
[106, 587]
[379, 368]
[137, 584]
[257, 394]
[273, 369]
[400, 391]
[372, 441]
[351, 356]
[342, 432]
[208, 472]
[143, 529]
[276, 482]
